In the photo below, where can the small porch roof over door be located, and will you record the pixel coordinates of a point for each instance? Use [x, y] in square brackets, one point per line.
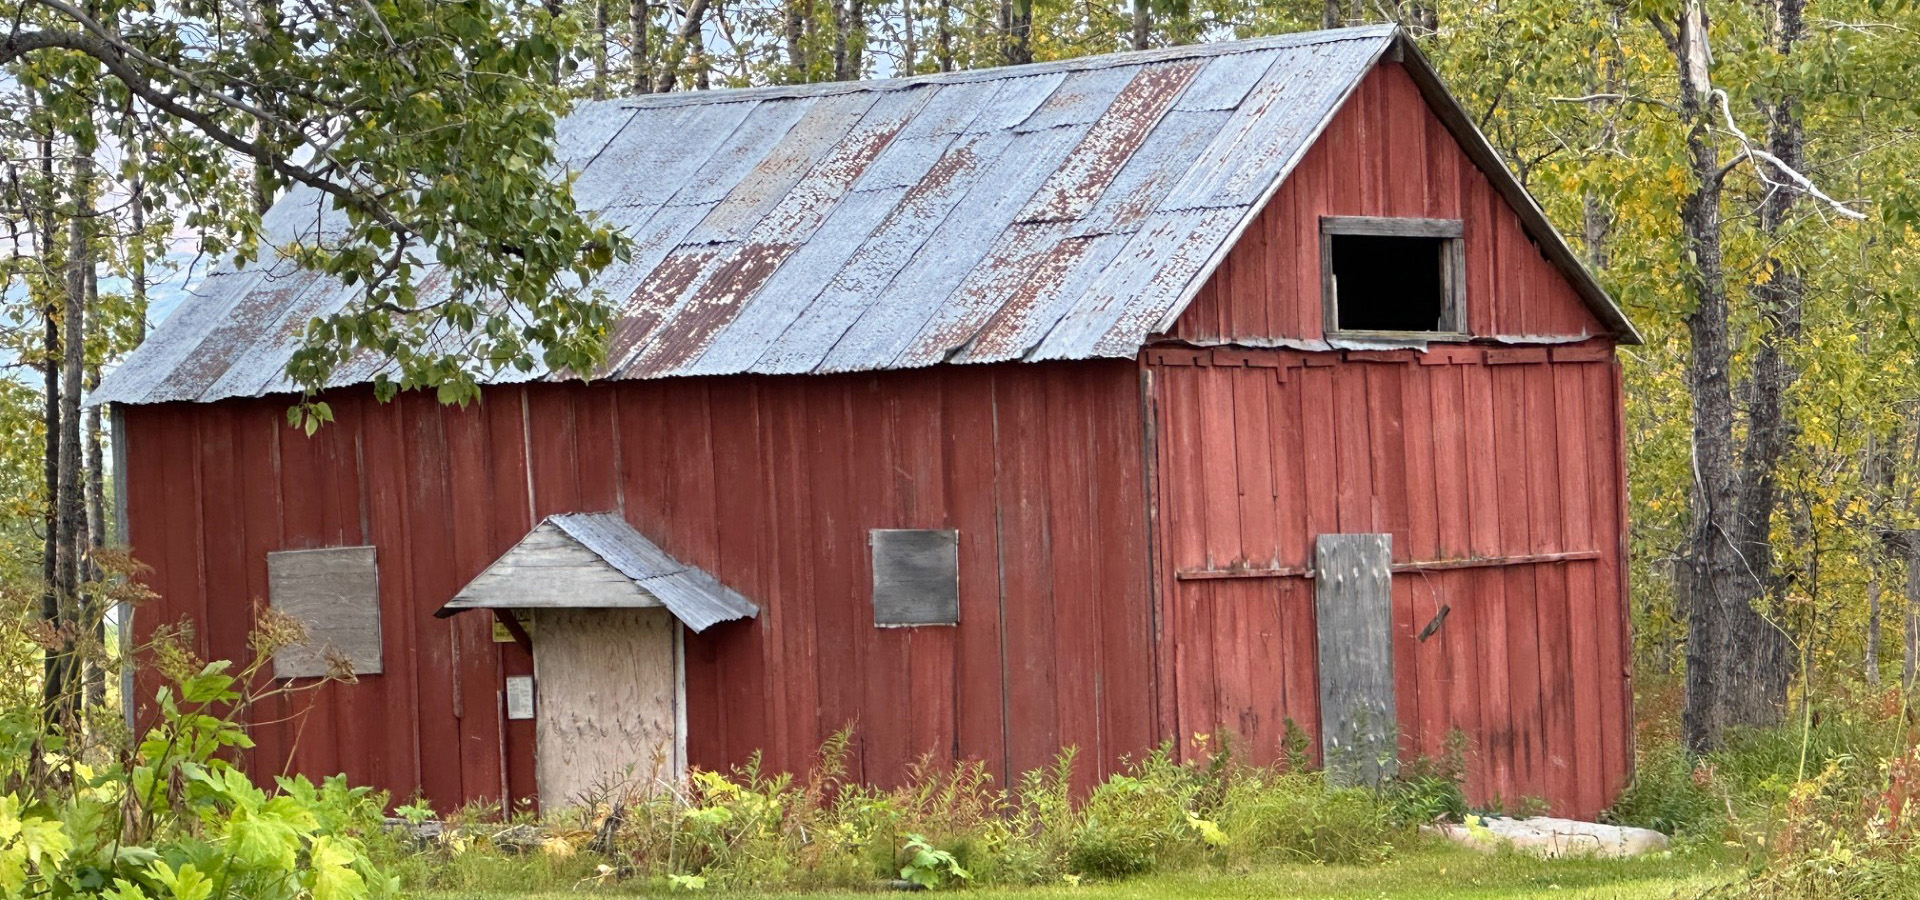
[598, 561]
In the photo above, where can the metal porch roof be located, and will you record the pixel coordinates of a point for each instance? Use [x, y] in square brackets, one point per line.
[694, 597]
[1054, 211]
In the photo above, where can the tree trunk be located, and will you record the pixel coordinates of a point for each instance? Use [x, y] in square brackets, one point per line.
[795, 34]
[1142, 24]
[53, 685]
[1016, 29]
[71, 513]
[1739, 663]
[1910, 650]
[909, 50]
[640, 77]
[943, 36]
[849, 33]
[601, 77]
[687, 36]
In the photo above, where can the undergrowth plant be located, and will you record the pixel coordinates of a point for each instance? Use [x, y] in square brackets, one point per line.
[172, 815]
[945, 826]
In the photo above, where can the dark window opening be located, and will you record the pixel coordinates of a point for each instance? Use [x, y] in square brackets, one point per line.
[1392, 275]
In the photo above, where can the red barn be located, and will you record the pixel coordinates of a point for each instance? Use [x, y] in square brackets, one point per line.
[1094, 403]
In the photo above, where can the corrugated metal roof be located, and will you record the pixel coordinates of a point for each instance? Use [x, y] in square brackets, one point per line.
[1055, 211]
[694, 597]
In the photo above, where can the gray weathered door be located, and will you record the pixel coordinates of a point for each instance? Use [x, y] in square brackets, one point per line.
[1353, 607]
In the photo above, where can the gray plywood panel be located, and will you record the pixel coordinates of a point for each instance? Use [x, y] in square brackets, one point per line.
[334, 592]
[1353, 608]
[916, 577]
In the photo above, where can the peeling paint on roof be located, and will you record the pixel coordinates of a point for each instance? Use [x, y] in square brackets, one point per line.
[1058, 211]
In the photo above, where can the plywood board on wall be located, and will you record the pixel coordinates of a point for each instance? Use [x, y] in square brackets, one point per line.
[607, 703]
[334, 593]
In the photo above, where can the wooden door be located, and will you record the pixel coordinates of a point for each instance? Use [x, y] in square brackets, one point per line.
[609, 704]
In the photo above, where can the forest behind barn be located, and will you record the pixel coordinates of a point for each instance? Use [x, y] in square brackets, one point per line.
[1744, 177]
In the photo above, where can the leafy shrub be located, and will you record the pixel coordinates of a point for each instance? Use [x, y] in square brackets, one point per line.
[1432, 789]
[1296, 816]
[173, 817]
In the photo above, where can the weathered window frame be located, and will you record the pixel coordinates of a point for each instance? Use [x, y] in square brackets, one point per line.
[1453, 272]
[907, 591]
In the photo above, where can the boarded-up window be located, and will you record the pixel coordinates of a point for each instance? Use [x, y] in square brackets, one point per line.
[334, 593]
[916, 577]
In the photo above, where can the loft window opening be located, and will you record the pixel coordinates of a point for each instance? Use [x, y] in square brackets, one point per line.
[1389, 276]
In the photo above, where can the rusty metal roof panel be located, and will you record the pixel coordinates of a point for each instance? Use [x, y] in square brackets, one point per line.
[1057, 211]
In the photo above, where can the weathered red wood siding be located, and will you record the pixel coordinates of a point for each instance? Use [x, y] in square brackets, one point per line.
[1461, 454]
[770, 483]
[1384, 154]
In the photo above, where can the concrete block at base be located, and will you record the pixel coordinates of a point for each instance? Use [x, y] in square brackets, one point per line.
[1551, 838]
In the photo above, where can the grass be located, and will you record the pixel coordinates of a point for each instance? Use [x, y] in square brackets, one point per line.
[1434, 873]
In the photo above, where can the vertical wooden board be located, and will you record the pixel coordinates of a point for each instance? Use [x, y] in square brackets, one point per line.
[476, 673]
[395, 742]
[646, 455]
[1406, 146]
[1483, 283]
[1543, 460]
[870, 441]
[787, 613]
[1607, 480]
[1309, 183]
[1183, 469]
[1033, 727]
[1524, 686]
[596, 448]
[1442, 171]
[1552, 603]
[142, 436]
[604, 683]
[1160, 485]
[1451, 483]
[1190, 624]
[1387, 452]
[1259, 495]
[429, 642]
[1300, 641]
[1427, 595]
[1320, 441]
[511, 518]
[1286, 433]
[1121, 579]
[1420, 433]
[741, 506]
[222, 535]
[969, 425]
[919, 497]
[253, 438]
[1074, 558]
[1486, 486]
[1353, 450]
[1221, 500]
[303, 482]
[346, 520]
[1353, 607]
[1583, 617]
[551, 446]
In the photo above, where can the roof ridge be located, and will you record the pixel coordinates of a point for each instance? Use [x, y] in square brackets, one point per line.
[1028, 70]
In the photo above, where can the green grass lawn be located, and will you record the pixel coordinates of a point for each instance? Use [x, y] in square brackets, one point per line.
[1426, 874]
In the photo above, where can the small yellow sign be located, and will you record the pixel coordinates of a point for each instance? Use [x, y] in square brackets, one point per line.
[500, 633]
